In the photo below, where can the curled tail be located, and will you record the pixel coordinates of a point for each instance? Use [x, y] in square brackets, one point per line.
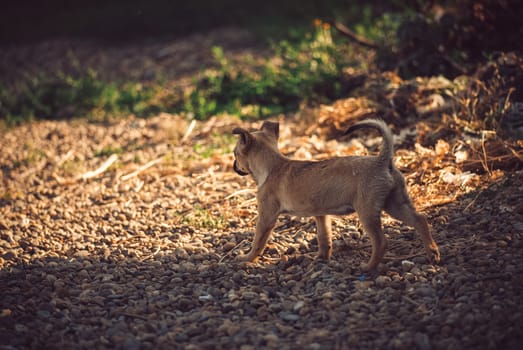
[387, 146]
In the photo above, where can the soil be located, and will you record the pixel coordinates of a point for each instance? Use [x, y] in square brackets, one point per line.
[171, 60]
[123, 235]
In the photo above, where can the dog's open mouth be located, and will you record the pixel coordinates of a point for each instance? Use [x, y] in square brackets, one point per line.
[238, 171]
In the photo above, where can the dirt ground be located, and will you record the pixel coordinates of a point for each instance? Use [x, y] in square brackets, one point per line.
[123, 235]
[141, 255]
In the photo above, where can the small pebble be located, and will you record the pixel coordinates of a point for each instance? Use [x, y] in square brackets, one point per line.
[407, 265]
[383, 281]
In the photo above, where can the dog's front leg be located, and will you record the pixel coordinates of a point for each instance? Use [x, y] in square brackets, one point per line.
[323, 228]
[268, 214]
[264, 228]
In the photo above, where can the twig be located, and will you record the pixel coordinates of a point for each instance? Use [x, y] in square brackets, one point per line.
[237, 193]
[139, 185]
[90, 174]
[65, 158]
[230, 251]
[454, 64]
[506, 105]
[472, 202]
[305, 226]
[128, 314]
[405, 257]
[485, 160]
[438, 203]
[514, 152]
[413, 302]
[353, 36]
[497, 161]
[33, 170]
[248, 202]
[151, 255]
[271, 259]
[141, 169]
[189, 131]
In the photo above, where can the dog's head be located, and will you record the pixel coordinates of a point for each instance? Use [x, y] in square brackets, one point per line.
[251, 144]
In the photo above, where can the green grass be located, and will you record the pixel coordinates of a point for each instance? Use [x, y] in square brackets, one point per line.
[305, 68]
[308, 70]
[72, 167]
[67, 96]
[200, 217]
[107, 151]
[32, 156]
[220, 144]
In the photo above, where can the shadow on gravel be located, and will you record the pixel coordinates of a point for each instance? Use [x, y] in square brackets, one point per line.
[471, 301]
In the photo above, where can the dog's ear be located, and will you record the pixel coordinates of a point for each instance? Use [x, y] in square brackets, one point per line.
[245, 136]
[271, 127]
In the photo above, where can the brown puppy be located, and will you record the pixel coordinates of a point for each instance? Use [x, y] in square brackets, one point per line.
[337, 186]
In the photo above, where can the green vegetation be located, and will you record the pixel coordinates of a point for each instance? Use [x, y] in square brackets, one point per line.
[305, 70]
[308, 70]
[219, 144]
[72, 167]
[66, 96]
[200, 217]
[107, 151]
[32, 156]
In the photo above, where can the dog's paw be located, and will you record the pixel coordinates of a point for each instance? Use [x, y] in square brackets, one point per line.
[247, 258]
[368, 267]
[433, 254]
[325, 257]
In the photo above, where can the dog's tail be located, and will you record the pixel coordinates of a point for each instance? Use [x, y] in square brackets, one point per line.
[387, 146]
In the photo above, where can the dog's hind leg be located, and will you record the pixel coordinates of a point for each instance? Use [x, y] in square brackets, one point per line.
[372, 226]
[323, 228]
[400, 207]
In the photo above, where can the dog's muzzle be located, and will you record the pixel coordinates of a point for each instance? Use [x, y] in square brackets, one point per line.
[238, 171]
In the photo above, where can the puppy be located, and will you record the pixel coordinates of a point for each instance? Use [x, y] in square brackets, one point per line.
[337, 186]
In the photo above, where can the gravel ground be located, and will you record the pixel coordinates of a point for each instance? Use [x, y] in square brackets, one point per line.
[141, 255]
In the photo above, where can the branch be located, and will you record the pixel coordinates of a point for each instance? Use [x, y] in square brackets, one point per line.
[342, 29]
[113, 158]
[189, 130]
[141, 169]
